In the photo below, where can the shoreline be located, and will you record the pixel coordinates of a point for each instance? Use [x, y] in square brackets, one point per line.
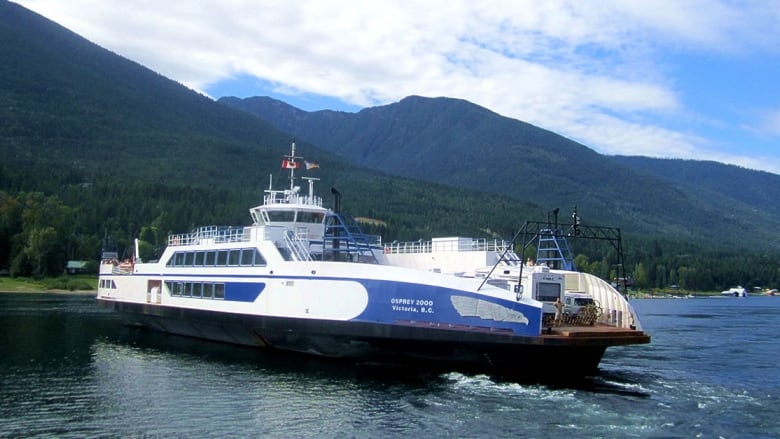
[53, 291]
[70, 284]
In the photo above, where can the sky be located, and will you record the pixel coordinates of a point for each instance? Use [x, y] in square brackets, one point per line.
[690, 79]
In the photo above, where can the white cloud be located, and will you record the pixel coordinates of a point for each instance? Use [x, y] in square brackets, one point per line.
[593, 71]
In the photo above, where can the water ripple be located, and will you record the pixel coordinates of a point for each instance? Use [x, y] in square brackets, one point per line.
[70, 371]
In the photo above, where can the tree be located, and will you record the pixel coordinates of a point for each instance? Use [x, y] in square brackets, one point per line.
[682, 277]
[641, 277]
[43, 251]
[10, 225]
[582, 262]
[40, 246]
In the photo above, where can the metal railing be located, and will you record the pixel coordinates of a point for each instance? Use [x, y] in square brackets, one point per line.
[447, 245]
[297, 246]
[215, 234]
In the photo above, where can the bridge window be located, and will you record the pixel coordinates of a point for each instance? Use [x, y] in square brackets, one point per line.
[310, 217]
[281, 215]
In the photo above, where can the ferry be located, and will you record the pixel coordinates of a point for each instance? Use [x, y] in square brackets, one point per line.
[304, 278]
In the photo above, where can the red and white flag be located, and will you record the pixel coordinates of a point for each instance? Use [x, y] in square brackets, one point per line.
[290, 164]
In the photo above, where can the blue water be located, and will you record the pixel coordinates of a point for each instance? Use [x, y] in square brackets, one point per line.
[70, 369]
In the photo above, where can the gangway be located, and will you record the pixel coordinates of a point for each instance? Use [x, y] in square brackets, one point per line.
[345, 241]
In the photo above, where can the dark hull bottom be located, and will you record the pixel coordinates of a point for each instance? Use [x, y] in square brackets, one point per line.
[418, 346]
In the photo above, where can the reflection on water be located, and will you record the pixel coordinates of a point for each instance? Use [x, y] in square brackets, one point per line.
[70, 369]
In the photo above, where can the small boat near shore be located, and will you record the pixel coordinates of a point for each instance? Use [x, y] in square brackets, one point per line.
[737, 291]
[304, 278]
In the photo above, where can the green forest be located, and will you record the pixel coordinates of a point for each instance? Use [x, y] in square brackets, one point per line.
[39, 233]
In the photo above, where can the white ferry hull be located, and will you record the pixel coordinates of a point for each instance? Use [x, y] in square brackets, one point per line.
[358, 312]
[415, 344]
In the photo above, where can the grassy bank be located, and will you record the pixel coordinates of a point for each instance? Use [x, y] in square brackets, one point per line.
[62, 283]
[659, 294]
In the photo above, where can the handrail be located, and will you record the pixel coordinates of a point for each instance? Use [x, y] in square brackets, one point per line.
[456, 244]
[218, 234]
[297, 246]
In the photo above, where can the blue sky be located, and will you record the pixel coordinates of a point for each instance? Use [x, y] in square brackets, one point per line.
[689, 79]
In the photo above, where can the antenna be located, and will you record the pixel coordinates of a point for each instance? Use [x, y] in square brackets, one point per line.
[311, 181]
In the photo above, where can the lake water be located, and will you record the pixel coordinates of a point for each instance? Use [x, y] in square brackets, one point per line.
[71, 369]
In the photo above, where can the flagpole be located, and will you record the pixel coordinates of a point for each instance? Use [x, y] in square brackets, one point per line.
[292, 168]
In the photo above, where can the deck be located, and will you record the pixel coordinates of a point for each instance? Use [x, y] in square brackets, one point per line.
[597, 334]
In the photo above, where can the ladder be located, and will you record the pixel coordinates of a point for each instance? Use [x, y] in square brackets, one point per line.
[554, 250]
[345, 241]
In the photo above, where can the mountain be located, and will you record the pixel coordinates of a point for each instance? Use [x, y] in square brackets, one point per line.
[70, 104]
[457, 143]
[748, 192]
[127, 147]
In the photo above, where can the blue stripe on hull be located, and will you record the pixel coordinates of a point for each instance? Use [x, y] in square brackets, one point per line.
[391, 302]
[243, 291]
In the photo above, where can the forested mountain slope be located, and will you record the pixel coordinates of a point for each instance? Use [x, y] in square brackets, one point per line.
[747, 192]
[457, 143]
[125, 150]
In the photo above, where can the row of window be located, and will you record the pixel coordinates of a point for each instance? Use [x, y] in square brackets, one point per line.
[290, 216]
[107, 283]
[198, 290]
[243, 257]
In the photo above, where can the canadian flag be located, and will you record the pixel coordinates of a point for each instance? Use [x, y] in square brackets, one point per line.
[290, 164]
